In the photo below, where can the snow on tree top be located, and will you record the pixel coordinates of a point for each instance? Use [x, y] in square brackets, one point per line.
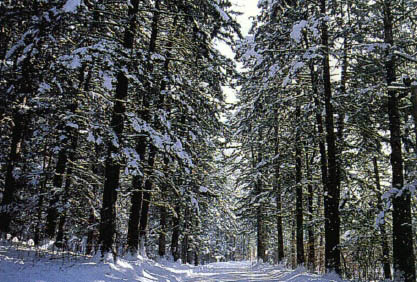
[222, 13]
[203, 189]
[71, 6]
[296, 30]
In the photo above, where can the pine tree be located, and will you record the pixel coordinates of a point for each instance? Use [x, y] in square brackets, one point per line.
[403, 253]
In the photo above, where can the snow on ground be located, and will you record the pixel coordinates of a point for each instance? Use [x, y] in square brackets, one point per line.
[24, 264]
[249, 271]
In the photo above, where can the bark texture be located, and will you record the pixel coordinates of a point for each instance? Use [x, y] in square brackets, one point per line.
[299, 192]
[112, 166]
[403, 250]
[332, 195]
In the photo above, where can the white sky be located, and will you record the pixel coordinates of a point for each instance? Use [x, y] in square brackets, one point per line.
[249, 9]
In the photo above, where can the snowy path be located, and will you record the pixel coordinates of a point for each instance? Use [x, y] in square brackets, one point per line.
[247, 271]
[27, 265]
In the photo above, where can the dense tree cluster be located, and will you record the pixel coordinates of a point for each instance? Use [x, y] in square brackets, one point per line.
[110, 122]
[327, 136]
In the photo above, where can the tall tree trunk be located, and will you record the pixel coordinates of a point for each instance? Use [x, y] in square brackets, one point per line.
[332, 195]
[46, 165]
[403, 249]
[162, 103]
[10, 183]
[134, 216]
[320, 129]
[91, 234]
[112, 170]
[162, 233]
[277, 189]
[414, 113]
[163, 216]
[146, 199]
[112, 166]
[341, 118]
[299, 191]
[185, 245]
[322, 150]
[293, 243]
[385, 247]
[69, 144]
[139, 194]
[261, 242]
[92, 229]
[310, 228]
[260, 224]
[57, 184]
[190, 251]
[261, 228]
[175, 233]
[68, 182]
[196, 258]
[322, 266]
[280, 228]
[153, 91]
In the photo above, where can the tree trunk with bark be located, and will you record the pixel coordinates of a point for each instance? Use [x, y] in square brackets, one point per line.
[299, 192]
[68, 182]
[175, 233]
[42, 189]
[140, 197]
[144, 214]
[403, 249]
[310, 228]
[52, 215]
[11, 184]
[65, 154]
[260, 220]
[332, 195]
[322, 150]
[277, 189]
[112, 166]
[384, 239]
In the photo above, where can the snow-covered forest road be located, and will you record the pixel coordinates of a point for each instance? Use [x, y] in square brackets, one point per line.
[25, 264]
[247, 271]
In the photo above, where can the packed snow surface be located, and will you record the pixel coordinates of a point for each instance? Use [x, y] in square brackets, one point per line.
[26, 264]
